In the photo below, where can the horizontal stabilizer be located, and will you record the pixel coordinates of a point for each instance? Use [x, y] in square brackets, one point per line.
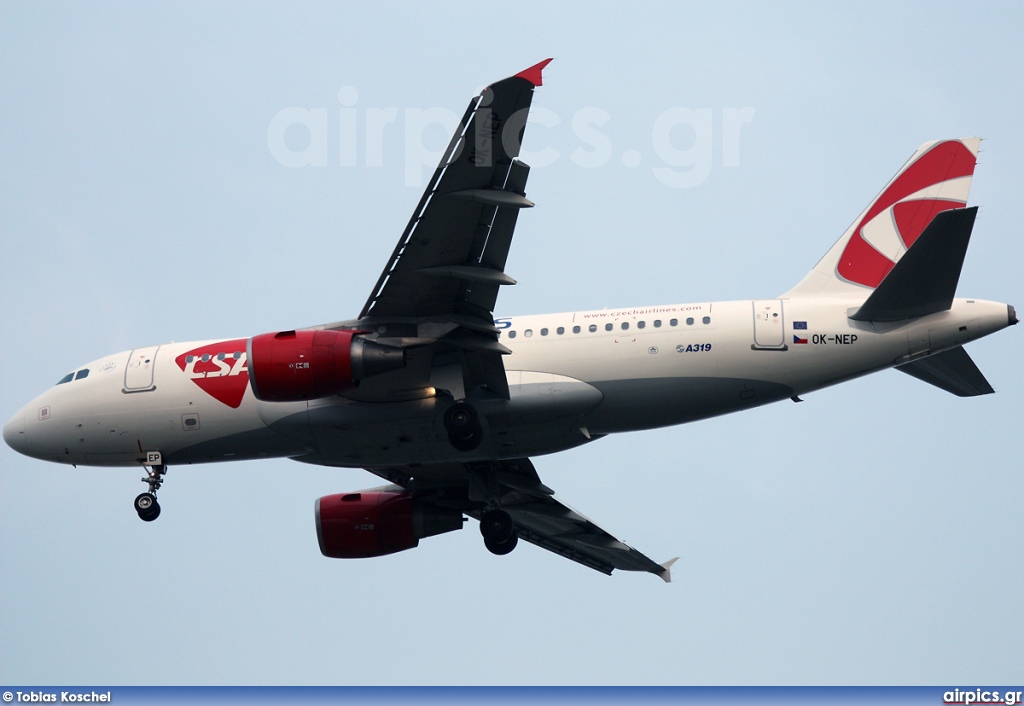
[924, 280]
[952, 371]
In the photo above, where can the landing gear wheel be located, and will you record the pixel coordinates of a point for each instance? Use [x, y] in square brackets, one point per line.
[144, 503]
[462, 423]
[497, 528]
[502, 548]
[147, 507]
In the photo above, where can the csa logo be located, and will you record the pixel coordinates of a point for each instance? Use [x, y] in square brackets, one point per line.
[904, 210]
[220, 369]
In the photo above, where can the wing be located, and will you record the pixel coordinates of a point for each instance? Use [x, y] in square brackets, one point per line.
[441, 283]
[539, 517]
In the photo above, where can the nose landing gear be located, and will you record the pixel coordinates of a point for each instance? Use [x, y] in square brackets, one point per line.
[146, 504]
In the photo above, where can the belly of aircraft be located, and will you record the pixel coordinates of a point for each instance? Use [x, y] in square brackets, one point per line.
[546, 413]
[631, 405]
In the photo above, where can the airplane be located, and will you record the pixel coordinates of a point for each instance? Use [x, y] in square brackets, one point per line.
[447, 404]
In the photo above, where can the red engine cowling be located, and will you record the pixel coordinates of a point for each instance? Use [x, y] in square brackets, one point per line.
[303, 365]
[375, 523]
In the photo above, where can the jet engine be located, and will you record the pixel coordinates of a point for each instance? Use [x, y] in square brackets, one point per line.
[303, 365]
[375, 523]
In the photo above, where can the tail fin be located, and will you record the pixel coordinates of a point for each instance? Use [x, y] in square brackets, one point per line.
[937, 178]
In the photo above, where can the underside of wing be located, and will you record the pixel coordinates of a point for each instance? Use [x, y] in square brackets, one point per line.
[441, 283]
[537, 516]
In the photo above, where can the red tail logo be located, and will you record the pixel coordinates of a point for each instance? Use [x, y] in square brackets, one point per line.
[860, 261]
[220, 370]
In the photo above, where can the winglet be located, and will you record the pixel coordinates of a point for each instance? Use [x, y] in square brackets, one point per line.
[533, 74]
[666, 570]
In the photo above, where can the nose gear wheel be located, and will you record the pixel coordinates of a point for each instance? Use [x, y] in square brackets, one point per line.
[147, 507]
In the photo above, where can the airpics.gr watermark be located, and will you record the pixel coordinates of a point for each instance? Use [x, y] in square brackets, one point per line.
[981, 696]
[683, 140]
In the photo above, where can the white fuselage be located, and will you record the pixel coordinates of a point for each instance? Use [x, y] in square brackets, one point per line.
[572, 377]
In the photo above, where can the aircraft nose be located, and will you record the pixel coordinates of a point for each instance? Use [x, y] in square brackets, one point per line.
[14, 433]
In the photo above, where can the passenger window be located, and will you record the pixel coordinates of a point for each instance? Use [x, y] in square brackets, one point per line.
[543, 332]
[657, 323]
[673, 322]
[608, 327]
[83, 373]
[689, 321]
[640, 324]
[560, 330]
[625, 325]
[592, 328]
[575, 329]
[511, 334]
[528, 332]
[706, 319]
[67, 378]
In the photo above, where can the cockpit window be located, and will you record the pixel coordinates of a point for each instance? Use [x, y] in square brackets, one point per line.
[83, 373]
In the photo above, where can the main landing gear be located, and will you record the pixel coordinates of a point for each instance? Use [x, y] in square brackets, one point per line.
[462, 422]
[496, 525]
[499, 532]
[146, 504]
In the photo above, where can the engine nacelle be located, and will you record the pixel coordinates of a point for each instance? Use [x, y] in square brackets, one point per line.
[375, 523]
[303, 365]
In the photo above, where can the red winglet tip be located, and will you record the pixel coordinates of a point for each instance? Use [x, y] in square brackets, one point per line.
[533, 74]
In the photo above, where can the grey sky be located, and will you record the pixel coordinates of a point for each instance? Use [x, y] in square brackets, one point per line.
[869, 535]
